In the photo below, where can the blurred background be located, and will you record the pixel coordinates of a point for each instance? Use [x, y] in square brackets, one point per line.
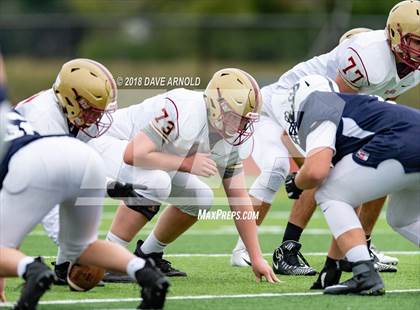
[175, 37]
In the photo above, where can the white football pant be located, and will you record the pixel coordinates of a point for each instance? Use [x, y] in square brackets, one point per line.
[43, 174]
[350, 184]
[269, 153]
[184, 190]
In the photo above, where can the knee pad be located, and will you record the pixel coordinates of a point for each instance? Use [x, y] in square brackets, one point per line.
[340, 216]
[202, 202]
[269, 181]
[134, 200]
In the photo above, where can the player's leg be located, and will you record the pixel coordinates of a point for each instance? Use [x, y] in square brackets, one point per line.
[403, 213]
[190, 195]
[24, 201]
[347, 186]
[51, 224]
[272, 159]
[369, 214]
[130, 219]
[80, 214]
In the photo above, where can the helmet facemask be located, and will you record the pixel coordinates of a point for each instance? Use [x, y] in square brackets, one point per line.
[92, 121]
[292, 116]
[233, 127]
[405, 52]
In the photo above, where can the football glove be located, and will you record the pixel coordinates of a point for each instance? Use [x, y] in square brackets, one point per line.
[293, 192]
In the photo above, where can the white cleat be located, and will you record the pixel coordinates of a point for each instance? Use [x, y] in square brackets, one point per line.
[382, 258]
[240, 258]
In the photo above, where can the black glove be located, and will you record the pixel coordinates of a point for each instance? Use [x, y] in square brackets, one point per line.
[293, 192]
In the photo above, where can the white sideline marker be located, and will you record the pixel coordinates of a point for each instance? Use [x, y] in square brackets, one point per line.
[196, 297]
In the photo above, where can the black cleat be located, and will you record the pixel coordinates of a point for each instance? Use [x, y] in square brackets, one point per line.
[164, 265]
[329, 275]
[288, 260]
[38, 279]
[154, 286]
[61, 271]
[366, 281]
[114, 277]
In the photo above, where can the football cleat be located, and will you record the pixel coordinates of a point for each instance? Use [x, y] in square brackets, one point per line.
[365, 281]
[61, 271]
[38, 279]
[154, 286]
[329, 275]
[346, 265]
[164, 265]
[240, 258]
[288, 260]
[382, 258]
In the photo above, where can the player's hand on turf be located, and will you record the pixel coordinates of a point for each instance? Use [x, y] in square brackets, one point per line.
[2, 287]
[201, 164]
[263, 270]
[293, 192]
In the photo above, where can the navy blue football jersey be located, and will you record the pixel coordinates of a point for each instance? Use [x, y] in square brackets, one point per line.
[19, 133]
[367, 127]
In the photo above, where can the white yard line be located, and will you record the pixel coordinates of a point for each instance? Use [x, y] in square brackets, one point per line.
[265, 254]
[230, 230]
[197, 297]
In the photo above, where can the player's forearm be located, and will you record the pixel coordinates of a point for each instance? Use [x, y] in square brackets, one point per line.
[307, 178]
[248, 231]
[239, 201]
[158, 160]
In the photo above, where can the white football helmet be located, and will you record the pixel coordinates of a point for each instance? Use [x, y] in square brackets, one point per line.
[297, 95]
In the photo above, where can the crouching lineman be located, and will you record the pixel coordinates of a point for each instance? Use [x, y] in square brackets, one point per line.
[79, 104]
[39, 172]
[375, 151]
[169, 140]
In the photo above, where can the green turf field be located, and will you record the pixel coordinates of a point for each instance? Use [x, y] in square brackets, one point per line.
[203, 253]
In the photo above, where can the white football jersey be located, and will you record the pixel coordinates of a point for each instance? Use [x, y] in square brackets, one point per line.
[45, 115]
[365, 61]
[177, 123]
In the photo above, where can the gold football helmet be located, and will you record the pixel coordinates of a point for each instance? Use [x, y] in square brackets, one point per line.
[352, 32]
[233, 100]
[87, 93]
[403, 26]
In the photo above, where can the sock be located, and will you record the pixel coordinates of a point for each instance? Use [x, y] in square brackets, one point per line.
[358, 253]
[239, 245]
[368, 241]
[152, 245]
[114, 238]
[292, 232]
[331, 263]
[23, 263]
[135, 265]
